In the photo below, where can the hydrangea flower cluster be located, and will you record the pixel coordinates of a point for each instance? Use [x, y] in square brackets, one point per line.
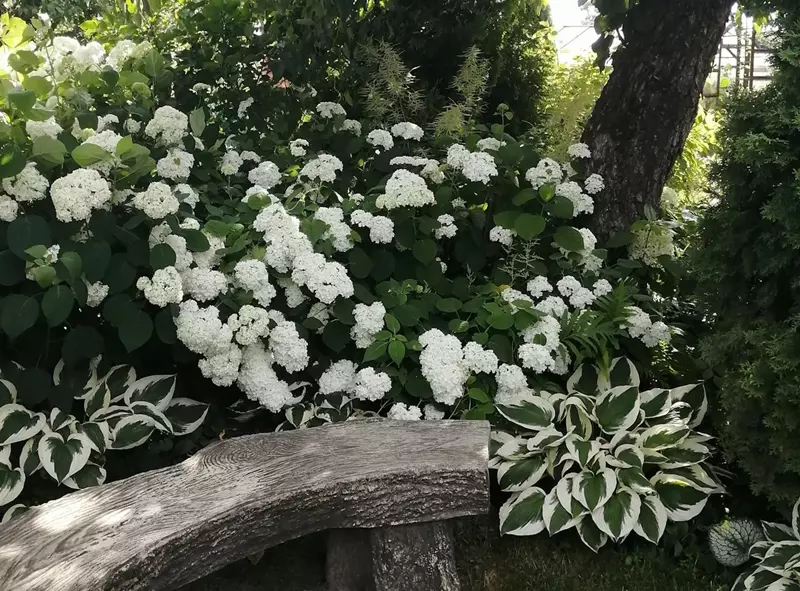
[478, 167]
[405, 189]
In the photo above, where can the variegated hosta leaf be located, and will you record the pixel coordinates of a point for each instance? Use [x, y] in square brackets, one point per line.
[62, 457]
[132, 431]
[111, 414]
[627, 456]
[593, 489]
[556, 517]
[13, 511]
[29, 456]
[680, 497]
[96, 399]
[582, 451]
[685, 454]
[660, 437]
[186, 415]
[699, 477]
[534, 413]
[586, 380]
[635, 479]
[83, 377]
[652, 519]
[12, 481]
[60, 421]
[579, 421]
[17, 423]
[619, 514]
[617, 409]
[623, 373]
[766, 580]
[156, 390]
[557, 400]
[521, 515]
[90, 475]
[695, 396]
[590, 534]
[5, 456]
[8, 392]
[521, 474]
[759, 550]
[118, 379]
[549, 437]
[780, 555]
[507, 446]
[778, 532]
[624, 437]
[99, 433]
[796, 519]
[160, 421]
[299, 415]
[656, 402]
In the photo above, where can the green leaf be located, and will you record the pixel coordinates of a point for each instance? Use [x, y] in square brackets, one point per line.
[652, 519]
[392, 323]
[529, 226]
[185, 415]
[591, 535]
[110, 76]
[19, 313]
[547, 192]
[123, 146]
[535, 414]
[87, 154]
[162, 255]
[73, 264]
[57, 304]
[135, 330]
[12, 481]
[619, 239]
[12, 269]
[196, 241]
[569, 239]
[593, 489]
[38, 84]
[96, 255]
[360, 263]
[449, 305]
[397, 351]
[12, 161]
[49, 150]
[506, 219]
[501, 321]
[83, 342]
[90, 475]
[561, 207]
[521, 515]
[22, 100]
[61, 458]
[520, 475]
[336, 336]
[44, 276]
[131, 431]
[617, 408]
[197, 121]
[682, 500]
[524, 197]
[375, 351]
[663, 436]
[17, 424]
[424, 250]
[617, 517]
[478, 395]
[217, 228]
[16, 31]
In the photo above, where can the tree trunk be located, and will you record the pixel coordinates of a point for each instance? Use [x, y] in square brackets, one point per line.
[646, 110]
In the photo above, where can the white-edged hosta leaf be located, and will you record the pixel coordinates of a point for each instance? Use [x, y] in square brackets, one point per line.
[29, 456]
[12, 481]
[549, 437]
[99, 397]
[759, 549]
[159, 419]
[585, 379]
[118, 379]
[627, 456]
[90, 475]
[623, 373]
[185, 415]
[590, 534]
[507, 446]
[59, 420]
[761, 579]
[626, 437]
[699, 478]
[780, 555]
[17, 423]
[680, 497]
[132, 431]
[656, 402]
[652, 456]
[5, 456]
[617, 409]
[556, 517]
[660, 437]
[157, 390]
[593, 489]
[521, 514]
[652, 519]
[519, 475]
[599, 461]
[99, 433]
[534, 413]
[777, 532]
[635, 479]
[8, 392]
[784, 584]
[557, 400]
[83, 376]
[13, 511]
[740, 580]
[62, 457]
[796, 519]
[619, 514]
[695, 396]
[685, 454]
[582, 451]
[579, 421]
[111, 413]
[563, 490]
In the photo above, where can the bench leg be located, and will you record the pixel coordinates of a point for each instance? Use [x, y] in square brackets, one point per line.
[416, 557]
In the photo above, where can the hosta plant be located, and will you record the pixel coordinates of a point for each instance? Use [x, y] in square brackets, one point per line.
[119, 411]
[603, 457]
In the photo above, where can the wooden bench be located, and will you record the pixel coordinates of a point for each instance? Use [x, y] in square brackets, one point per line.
[384, 488]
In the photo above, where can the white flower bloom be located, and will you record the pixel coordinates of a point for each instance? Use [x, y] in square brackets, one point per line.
[536, 358]
[326, 280]
[430, 168]
[201, 330]
[478, 359]
[381, 228]
[132, 126]
[581, 203]
[107, 140]
[490, 144]
[106, 121]
[371, 385]
[65, 45]
[579, 151]
[120, 53]
[321, 312]
[257, 379]
[538, 286]
[204, 285]
[249, 325]
[405, 189]
[568, 285]
[512, 295]
[298, 147]
[553, 306]
[209, 259]
[266, 174]
[352, 126]
[157, 201]
[477, 167]
[29, 185]
[407, 131]
[447, 228]
[185, 194]
[338, 232]
[176, 165]
[369, 322]
[443, 366]
[512, 385]
[37, 129]
[164, 288]
[594, 184]
[75, 195]
[86, 56]
[231, 163]
[582, 298]
[328, 110]
[8, 208]
[380, 138]
[168, 124]
[669, 197]
[249, 156]
[649, 243]
[183, 258]
[253, 276]
[241, 110]
[548, 328]
[547, 172]
[502, 235]
[601, 288]
[222, 368]
[324, 167]
[589, 240]
[95, 293]
[340, 377]
[292, 292]
[401, 412]
[288, 349]
[200, 87]
[432, 413]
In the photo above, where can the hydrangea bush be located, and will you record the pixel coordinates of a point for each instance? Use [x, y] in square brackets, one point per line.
[349, 269]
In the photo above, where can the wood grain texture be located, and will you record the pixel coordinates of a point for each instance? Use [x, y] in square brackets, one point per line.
[164, 528]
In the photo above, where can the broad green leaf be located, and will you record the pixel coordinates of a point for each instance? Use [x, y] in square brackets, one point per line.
[549, 437]
[185, 415]
[27, 231]
[617, 517]
[521, 515]
[582, 451]
[655, 402]
[778, 532]
[197, 121]
[569, 239]
[623, 373]
[135, 330]
[49, 150]
[685, 454]
[593, 489]
[519, 475]
[131, 431]
[652, 519]
[681, 499]
[12, 162]
[695, 396]
[157, 390]
[60, 457]
[397, 351]
[17, 424]
[196, 241]
[22, 100]
[160, 421]
[57, 304]
[99, 433]
[161, 256]
[96, 399]
[424, 250]
[72, 263]
[617, 409]
[629, 456]
[88, 154]
[556, 517]
[634, 479]
[660, 437]
[90, 475]
[118, 379]
[12, 481]
[591, 535]
[535, 413]
[529, 226]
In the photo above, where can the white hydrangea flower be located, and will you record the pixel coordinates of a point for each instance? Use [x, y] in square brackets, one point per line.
[266, 174]
[8, 208]
[582, 298]
[241, 110]
[447, 228]
[641, 327]
[536, 358]
[553, 306]
[381, 228]
[401, 412]
[568, 285]
[142, 49]
[95, 293]
[200, 87]
[579, 151]
[650, 243]
[547, 172]
[231, 163]
[249, 156]
[581, 203]
[132, 126]
[380, 138]
[324, 167]
[222, 368]
[106, 121]
[186, 194]
[405, 189]
[549, 328]
[432, 413]
[37, 129]
[477, 167]
[183, 258]
[249, 324]
[209, 259]
[204, 285]
[257, 379]
[176, 165]
[430, 168]
[164, 288]
[340, 377]
[407, 131]
[490, 144]
[442, 364]
[65, 45]
[329, 110]
[201, 330]
[369, 322]
[91, 54]
[298, 147]
[107, 140]
[478, 359]
[502, 235]
[538, 286]
[371, 385]
[589, 240]
[157, 201]
[120, 53]
[327, 280]
[288, 349]
[512, 295]
[338, 231]
[594, 184]
[601, 288]
[669, 197]
[352, 126]
[253, 276]
[75, 195]
[512, 385]
[29, 185]
[168, 125]
[321, 312]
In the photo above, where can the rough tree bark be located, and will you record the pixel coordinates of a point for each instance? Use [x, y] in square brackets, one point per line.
[645, 112]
